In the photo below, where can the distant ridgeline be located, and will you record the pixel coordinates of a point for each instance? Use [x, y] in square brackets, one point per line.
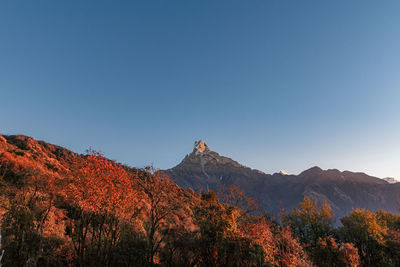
[204, 169]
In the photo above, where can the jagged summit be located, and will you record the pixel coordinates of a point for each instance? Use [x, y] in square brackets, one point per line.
[205, 169]
[203, 156]
[200, 147]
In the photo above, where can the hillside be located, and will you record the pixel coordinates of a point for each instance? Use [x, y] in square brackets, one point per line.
[59, 208]
[75, 206]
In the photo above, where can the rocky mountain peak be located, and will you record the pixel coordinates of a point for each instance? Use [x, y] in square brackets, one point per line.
[200, 147]
[202, 156]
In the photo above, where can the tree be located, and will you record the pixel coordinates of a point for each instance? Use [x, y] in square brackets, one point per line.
[101, 196]
[234, 196]
[362, 228]
[388, 219]
[310, 222]
[260, 232]
[28, 193]
[180, 248]
[160, 204]
[330, 254]
[393, 247]
[20, 240]
[290, 253]
[216, 222]
[222, 239]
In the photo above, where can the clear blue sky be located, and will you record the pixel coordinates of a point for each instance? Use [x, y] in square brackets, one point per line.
[274, 84]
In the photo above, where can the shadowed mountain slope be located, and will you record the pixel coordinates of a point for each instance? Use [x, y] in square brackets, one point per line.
[205, 169]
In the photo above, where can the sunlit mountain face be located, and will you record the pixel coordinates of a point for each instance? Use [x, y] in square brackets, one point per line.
[204, 169]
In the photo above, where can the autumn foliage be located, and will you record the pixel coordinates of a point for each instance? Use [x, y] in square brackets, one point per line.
[101, 186]
[62, 209]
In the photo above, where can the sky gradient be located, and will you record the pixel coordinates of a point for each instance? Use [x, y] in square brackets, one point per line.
[272, 84]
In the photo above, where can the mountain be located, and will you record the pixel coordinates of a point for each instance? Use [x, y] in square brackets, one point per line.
[204, 169]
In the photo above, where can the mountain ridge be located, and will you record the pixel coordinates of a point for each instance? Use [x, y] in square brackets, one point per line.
[343, 190]
[204, 169]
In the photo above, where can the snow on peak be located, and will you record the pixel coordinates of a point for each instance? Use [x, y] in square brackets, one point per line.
[200, 146]
[391, 180]
[283, 172]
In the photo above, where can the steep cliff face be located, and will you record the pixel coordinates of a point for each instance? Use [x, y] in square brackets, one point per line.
[204, 169]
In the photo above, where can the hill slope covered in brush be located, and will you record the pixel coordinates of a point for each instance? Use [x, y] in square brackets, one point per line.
[58, 207]
[62, 208]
